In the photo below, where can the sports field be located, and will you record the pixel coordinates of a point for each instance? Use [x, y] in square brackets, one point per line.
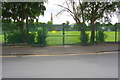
[71, 37]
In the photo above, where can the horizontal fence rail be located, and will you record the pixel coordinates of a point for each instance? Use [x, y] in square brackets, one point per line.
[54, 34]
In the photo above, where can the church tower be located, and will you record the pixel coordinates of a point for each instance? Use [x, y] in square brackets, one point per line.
[51, 18]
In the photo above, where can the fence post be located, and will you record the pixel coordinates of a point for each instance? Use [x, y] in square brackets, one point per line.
[116, 33]
[5, 38]
[63, 35]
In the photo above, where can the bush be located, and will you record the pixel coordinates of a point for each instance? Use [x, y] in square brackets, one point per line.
[42, 35]
[31, 38]
[14, 37]
[100, 36]
[84, 38]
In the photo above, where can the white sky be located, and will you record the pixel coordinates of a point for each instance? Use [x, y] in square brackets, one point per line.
[51, 6]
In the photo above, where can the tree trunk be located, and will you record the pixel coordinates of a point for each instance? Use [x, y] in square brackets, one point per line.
[82, 33]
[23, 33]
[92, 39]
[27, 30]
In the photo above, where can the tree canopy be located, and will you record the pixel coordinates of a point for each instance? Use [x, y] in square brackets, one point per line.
[89, 12]
[18, 11]
[22, 12]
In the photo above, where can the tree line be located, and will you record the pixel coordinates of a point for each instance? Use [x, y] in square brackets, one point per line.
[89, 12]
[23, 13]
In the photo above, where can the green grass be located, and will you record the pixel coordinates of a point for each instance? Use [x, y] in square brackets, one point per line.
[1, 38]
[71, 37]
[110, 36]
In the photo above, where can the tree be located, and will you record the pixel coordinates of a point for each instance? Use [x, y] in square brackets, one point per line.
[67, 26]
[49, 22]
[97, 11]
[76, 11]
[117, 26]
[22, 12]
[73, 8]
[90, 12]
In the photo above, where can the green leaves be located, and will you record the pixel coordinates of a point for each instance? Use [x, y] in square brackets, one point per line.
[100, 36]
[20, 10]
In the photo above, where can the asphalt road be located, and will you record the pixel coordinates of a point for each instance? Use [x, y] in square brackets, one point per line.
[68, 66]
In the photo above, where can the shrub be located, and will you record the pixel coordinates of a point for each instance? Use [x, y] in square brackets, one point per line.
[31, 38]
[14, 37]
[42, 35]
[100, 36]
[84, 38]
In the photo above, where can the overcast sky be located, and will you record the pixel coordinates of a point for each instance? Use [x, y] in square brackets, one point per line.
[51, 7]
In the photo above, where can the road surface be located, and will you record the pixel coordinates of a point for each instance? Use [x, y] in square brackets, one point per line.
[67, 66]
